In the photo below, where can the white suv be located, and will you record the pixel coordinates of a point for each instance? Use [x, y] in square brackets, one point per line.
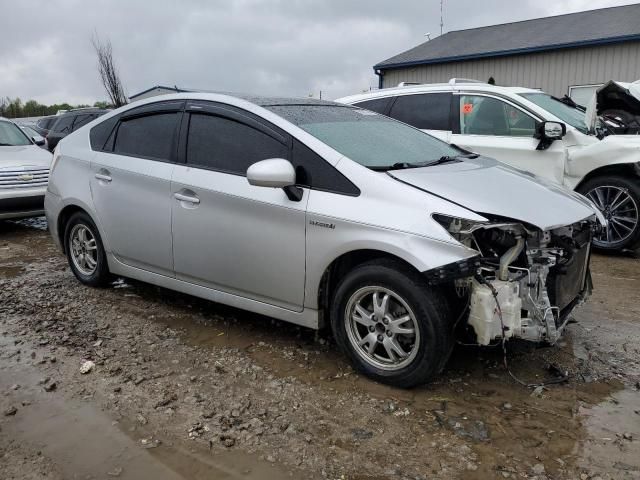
[532, 131]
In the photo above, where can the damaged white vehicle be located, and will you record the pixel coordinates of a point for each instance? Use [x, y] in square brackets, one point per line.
[538, 133]
[314, 212]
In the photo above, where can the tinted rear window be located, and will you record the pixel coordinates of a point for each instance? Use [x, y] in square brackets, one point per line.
[376, 105]
[151, 136]
[426, 111]
[64, 124]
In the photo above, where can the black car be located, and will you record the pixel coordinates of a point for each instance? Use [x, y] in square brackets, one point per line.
[70, 122]
[44, 124]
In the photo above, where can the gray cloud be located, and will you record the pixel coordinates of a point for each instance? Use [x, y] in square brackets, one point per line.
[280, 47]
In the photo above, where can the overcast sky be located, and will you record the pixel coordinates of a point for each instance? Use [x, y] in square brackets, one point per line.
[280, 47]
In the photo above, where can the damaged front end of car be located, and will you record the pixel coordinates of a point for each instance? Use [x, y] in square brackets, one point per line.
[524, 283]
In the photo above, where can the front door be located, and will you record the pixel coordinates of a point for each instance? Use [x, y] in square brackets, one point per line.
[228, 235]
[497, 128]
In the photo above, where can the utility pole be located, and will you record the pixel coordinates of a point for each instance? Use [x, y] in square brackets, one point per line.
[441, 22]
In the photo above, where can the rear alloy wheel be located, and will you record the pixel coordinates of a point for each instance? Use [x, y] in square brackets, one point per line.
[619, 201]
[85, 252]
[391, 324]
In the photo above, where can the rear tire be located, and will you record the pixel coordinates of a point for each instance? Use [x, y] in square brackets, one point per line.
[407, 339]
[85, 252]
[618, 198]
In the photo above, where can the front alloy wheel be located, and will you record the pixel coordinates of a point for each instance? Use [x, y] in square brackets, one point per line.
[382, 328]
[619, 201]
[393, 327]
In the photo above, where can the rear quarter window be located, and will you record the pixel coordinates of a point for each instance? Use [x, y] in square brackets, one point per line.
[100, 134]
[379, 105]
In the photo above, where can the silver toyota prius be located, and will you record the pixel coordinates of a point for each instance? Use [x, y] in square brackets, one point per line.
[319, 213]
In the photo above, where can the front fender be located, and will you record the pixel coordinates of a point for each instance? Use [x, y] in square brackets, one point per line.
[612, 150]
[324, 245]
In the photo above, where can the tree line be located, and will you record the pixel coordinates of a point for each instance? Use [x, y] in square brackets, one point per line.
[15, 108]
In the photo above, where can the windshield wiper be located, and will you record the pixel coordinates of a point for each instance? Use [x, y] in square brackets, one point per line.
[5, 145]
[398, 166]
[449, 159]
[441, 160]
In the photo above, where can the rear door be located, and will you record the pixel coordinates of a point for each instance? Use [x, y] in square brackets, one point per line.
[227, 234]
[131, 185]
[498, 128]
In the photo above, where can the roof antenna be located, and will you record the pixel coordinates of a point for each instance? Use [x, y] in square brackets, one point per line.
[441, 21]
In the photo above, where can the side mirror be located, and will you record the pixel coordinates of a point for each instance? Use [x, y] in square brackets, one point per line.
[275, 173]
[38, 140]
[547, 132]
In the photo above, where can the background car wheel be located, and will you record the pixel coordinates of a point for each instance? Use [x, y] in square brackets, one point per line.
[618, 199]
[391, 325]
[85, 252]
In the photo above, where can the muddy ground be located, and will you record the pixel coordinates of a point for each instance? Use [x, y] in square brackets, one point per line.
[188, 389]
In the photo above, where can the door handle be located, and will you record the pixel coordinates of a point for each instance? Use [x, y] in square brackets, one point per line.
[103, 177]
[186, 198]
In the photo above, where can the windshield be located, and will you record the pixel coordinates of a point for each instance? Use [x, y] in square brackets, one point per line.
[372, 140]
[571, 115]
[12, 136]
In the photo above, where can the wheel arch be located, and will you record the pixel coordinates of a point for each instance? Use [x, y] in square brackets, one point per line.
[625, 169]
[63, 218]
[340, 266]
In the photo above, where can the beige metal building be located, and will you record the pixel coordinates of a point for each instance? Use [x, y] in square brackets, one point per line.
[564, 55]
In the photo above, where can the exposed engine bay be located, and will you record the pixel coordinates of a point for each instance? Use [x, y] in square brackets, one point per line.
[527, 281]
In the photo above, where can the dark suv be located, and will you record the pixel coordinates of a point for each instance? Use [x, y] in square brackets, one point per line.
[44, 124]
[70, 122]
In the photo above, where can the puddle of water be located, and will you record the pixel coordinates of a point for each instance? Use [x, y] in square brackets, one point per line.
[10, 271]
[605, 448]
[85, 442]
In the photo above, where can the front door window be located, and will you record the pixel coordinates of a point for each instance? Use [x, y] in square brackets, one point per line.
[481, 115]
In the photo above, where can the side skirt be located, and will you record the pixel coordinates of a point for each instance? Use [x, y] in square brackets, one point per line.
[307, 318]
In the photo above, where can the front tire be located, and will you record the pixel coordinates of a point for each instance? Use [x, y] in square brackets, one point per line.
[85, 252]
[390, 324]
[618, 199]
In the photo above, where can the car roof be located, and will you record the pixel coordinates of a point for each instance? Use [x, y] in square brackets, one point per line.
[436, 87]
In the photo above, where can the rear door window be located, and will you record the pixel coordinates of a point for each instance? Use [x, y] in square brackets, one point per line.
[428, 111]
[221, 143]
[150, 136]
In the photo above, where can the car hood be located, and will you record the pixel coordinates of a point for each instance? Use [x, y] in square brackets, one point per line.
[619, 95]
[488, 187]
[27, 156]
